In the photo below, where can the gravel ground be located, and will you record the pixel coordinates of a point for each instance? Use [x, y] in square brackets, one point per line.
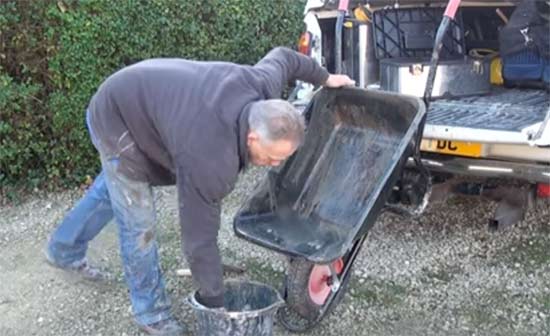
[444, 274]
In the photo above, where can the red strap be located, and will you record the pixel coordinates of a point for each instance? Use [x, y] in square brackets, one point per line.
[343, 5]
[452, 7]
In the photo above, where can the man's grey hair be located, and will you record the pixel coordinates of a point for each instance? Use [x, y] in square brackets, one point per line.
[276, 119]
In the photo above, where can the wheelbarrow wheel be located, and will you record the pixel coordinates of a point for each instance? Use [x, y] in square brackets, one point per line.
[307, 293]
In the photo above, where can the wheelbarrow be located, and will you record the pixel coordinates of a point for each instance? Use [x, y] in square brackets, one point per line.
[320, 205]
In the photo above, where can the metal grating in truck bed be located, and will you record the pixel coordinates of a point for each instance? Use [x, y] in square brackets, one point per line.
[502, 110]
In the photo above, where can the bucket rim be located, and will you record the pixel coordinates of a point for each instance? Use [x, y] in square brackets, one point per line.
[192, 301]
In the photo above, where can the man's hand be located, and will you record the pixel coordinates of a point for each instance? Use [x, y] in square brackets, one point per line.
[335, 81]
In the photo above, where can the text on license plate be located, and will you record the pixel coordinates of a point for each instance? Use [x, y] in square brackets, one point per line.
[452, 147]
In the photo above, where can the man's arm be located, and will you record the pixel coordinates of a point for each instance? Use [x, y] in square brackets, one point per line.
[282, 65]
[200, 221]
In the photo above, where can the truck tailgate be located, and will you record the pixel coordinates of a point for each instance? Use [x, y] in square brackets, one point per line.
[506, 111]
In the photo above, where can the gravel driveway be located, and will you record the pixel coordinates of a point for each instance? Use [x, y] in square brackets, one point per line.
[444, 274]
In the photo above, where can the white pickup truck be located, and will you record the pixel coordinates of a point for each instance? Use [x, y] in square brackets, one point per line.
[499, 143]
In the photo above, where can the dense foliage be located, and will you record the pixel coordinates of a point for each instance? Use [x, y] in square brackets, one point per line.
[54, 54]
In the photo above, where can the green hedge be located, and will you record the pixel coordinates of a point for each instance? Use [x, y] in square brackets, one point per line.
[54, 54]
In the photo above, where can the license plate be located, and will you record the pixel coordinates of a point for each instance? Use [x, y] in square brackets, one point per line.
[471, 149]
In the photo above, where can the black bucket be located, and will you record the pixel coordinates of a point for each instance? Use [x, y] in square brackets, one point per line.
[250, 309]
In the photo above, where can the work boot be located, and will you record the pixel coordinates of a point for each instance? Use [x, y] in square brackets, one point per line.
[167, 327]
[80, 268]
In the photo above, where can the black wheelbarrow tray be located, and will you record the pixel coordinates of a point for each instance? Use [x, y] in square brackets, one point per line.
[330, 192]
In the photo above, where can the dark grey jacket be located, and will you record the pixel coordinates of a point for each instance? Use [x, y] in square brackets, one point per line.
[185, 122]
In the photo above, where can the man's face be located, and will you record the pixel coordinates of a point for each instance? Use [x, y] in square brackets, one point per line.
[268, 153]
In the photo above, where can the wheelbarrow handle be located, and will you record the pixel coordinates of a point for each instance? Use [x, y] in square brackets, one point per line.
[451, 9]
[342, 9]
[343, 5]
[448, 16]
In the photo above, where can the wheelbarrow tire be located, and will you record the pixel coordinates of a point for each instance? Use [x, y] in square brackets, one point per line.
[298, 299]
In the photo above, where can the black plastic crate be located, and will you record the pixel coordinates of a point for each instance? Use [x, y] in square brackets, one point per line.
[410, 32]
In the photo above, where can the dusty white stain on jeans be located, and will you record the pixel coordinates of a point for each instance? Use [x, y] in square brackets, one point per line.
[120, 143]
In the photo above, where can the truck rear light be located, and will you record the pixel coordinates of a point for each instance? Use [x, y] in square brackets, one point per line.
[304, 44]
[543, 190]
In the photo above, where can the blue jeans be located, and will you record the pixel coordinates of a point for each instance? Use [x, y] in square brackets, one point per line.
[131, 203]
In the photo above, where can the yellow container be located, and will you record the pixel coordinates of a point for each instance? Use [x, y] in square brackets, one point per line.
[496, 71]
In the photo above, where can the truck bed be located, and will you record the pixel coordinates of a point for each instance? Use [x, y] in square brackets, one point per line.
[504, 109]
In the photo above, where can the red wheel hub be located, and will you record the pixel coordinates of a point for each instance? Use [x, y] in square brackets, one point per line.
[319, 281]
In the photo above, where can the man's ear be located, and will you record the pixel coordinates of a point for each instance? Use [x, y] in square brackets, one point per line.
[252, 136]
